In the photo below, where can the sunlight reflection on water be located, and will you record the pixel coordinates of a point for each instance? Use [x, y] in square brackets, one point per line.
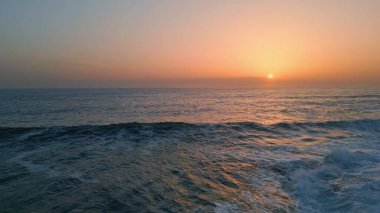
[237, 150]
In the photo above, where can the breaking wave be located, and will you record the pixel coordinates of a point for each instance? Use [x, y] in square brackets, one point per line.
[364, 124]
[329, 166]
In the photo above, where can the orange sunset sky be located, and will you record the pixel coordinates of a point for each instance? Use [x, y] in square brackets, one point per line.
[95, 43]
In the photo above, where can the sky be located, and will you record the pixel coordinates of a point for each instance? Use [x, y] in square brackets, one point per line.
[165, 43]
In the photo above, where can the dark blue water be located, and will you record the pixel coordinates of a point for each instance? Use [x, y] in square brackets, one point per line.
[196, 150]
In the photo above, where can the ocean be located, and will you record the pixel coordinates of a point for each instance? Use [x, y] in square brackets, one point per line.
[190, 150]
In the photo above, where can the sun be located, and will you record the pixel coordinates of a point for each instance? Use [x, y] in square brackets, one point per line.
[270, 76]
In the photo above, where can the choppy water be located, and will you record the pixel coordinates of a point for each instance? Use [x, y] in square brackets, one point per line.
[193, 150]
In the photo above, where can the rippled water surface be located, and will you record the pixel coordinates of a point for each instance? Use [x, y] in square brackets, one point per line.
[196, 150]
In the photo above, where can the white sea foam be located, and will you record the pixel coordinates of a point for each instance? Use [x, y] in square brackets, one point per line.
[346, 181]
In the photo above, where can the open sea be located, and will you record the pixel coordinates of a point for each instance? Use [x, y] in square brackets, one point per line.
[190, 150]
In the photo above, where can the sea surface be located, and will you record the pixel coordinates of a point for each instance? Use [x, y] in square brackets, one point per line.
[190, 150]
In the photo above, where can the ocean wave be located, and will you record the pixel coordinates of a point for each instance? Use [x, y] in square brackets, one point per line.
[364, 124]
[238, 166]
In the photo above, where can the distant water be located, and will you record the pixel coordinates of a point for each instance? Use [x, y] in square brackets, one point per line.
[196, 150]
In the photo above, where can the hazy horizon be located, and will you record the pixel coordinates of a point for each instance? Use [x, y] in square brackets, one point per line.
[189, 43]
[207, 83]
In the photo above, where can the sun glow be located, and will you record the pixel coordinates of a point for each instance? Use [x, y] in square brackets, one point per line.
[270, 76]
